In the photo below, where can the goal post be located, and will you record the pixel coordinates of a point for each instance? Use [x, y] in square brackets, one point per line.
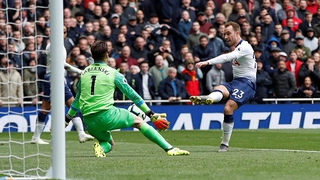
[57, 89]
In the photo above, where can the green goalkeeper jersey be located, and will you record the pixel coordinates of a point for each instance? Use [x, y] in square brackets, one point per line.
[96, 90]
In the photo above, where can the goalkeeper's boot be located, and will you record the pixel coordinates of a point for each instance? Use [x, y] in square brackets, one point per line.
[98, 151]
[177, 152]
[83, 137]
[201, 100]
[223, 148]
[38, 141]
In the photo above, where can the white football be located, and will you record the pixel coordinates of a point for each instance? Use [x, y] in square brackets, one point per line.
[137, 111]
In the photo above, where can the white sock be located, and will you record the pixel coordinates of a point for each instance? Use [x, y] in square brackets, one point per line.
[38, 130]
[216, 96]
[226, 133]
[78, 125]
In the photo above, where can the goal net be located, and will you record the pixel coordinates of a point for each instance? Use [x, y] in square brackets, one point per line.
[24, 33]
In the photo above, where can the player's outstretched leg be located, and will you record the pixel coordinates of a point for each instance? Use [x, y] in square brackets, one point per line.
[98, 151]
[38, 130]
[153, 135]
[213, 97]
[83, 137]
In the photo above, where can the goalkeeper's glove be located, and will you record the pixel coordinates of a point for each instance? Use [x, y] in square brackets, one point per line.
[67, 119]
[159, 120]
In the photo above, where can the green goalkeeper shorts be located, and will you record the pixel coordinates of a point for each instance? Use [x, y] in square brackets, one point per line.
[105, 121]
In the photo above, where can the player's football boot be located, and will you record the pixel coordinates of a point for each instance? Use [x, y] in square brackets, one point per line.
[201, 100]
[177, 152]
[38, 141]
[223, 148]
[85, 137]
[98, 151]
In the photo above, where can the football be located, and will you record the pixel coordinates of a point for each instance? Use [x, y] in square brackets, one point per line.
[137, 111]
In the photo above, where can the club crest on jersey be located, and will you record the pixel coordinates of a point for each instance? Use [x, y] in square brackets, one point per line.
[239, 49]
[124, 80]
[235, 62]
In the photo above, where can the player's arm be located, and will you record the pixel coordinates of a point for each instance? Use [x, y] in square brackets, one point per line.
[70, 68]
[74, 108]
[159, 120]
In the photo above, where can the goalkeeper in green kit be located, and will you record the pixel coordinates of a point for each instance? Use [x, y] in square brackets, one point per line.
[95, 100]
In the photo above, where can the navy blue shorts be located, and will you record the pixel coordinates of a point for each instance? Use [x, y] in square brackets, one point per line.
[241, 90]
[46, 89]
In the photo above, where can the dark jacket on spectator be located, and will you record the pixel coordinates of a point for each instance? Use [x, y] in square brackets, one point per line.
[139, 53]
[284, 84]
[263, 82]
[137, 85]
[203, 54]
[165, 89]
[314, 75]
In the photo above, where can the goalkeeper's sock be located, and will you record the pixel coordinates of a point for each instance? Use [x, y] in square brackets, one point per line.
[216, 95]
[227, 129]
[105, 146]
[78, 125]
[153, 135]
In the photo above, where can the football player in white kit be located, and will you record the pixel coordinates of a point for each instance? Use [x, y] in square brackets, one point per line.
[243, 86]
[46, 106]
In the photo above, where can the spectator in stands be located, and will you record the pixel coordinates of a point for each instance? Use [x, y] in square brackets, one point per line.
[310, 40]
[166, 33]
[210, 16]
[283, 56]
[121, 41]
[220, 20]
[10, 85]
[141, 19]
[204, 26]
[114, 24]
[14, 56]
[316, 57]
[312, 6]
[293, 66]
[14, 14]
[291, 14]
[143, 82]
[184, 26]
[165, 51]
[126, 57]
[258, 54]
[133, 28]
[275, 5]
[180, 60]
[300, 44]
[258, 19]
[168, 12]
[158, 71]
[283, 82]
[307, 90]
[30, 82]
[106, 35]
[124, 70]
[71, 31]
[215, 77]
[111, 51]
[233, 16]
[84, 49]
[147, 37]
[88, 29]
[17, 41]
[186, 6]
[153, 22]
[266, 5]
[134, 69]
[123, 29]
[193, 38]
[246, 32]
[277, 31]
[80, 22]
[263, 83]
[306, 23]
[215, 42]
[139, 52]
[171, 88]
[309, 69]
[71, 58]
[270, 66]
[316, 18]
[302, 10]
[73, 7]
[106, 12]
[267, 27]
[286, 44]
[191, 79]
[111, 62]
[91, 39]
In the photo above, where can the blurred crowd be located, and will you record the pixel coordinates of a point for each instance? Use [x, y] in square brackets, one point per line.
[156, 43]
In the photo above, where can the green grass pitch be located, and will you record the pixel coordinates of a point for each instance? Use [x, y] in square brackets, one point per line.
[253, 154]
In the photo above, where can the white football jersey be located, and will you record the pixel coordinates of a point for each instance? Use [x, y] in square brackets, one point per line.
[243, 61]
[64, 54]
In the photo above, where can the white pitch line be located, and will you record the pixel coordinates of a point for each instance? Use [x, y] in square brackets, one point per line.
[283, 150]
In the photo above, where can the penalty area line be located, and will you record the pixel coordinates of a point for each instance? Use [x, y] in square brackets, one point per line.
[282, 150]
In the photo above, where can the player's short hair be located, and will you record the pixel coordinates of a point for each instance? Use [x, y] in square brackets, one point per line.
[99, 50]
[234, 25]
